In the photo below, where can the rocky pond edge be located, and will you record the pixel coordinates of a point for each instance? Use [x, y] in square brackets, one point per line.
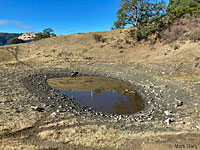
[36, 83]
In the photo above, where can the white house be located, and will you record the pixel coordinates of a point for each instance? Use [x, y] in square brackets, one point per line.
[27, 37]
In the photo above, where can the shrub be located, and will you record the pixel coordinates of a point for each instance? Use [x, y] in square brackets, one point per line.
[98, 38]
[194, 29]
[39, 36]
[195, 37]
[185, 28]
[173, 33]
[45, 34]
[16, 41]
[176, 46]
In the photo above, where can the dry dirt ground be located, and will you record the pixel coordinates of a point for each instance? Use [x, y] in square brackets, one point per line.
[173, 76]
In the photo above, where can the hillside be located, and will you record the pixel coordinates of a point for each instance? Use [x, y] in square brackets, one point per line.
[167, 77]
[5, 38]
[116, 46]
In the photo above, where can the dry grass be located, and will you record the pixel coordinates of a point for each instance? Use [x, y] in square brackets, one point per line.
[173, 33]
[91, 135]
[182, 29]
[187, 77]
[118, 48]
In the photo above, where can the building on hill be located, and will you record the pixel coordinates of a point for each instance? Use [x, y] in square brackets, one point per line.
[27, 37]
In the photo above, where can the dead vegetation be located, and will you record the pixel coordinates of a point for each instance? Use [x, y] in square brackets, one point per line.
[185, 28]
[99, 38]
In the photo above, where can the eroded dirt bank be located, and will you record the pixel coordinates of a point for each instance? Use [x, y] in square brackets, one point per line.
[35, 116]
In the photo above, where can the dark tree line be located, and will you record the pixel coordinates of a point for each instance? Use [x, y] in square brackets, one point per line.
[47, 33]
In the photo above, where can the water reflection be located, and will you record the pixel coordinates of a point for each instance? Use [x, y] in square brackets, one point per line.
[130, 105]
[101, 94]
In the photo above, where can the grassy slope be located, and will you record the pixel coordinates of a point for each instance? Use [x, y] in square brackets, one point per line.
[116, 48]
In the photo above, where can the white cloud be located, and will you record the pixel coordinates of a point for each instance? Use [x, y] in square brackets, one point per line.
[17, 24]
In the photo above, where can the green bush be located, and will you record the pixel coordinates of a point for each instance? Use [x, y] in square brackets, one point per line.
[179, 8]
[45, 34]
[39, 36]
[176, 46]
[16, 41]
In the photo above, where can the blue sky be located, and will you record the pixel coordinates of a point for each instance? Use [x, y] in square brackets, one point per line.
[63, 16]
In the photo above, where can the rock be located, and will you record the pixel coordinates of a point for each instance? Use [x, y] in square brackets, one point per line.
[150, 118]
[168, 121]
[168, 112]
[74, 73]
[188, 123]
[182, 122]
[53, 114]
[198, 127]
[39, 109]
[179, 103]
[101, 114]
[197, 62]
[17, 110]
[61, 122]
[67, 139]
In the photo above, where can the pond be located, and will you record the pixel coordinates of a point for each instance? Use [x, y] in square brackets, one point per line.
[100, 93]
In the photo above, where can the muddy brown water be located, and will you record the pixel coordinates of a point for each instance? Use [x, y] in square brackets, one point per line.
[100, 94]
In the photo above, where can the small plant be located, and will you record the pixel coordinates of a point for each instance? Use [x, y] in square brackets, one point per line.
[176, 46]
[98, 38]
[53, 50]
[196, 37]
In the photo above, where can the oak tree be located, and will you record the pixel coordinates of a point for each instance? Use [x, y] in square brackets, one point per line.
[140, 14]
